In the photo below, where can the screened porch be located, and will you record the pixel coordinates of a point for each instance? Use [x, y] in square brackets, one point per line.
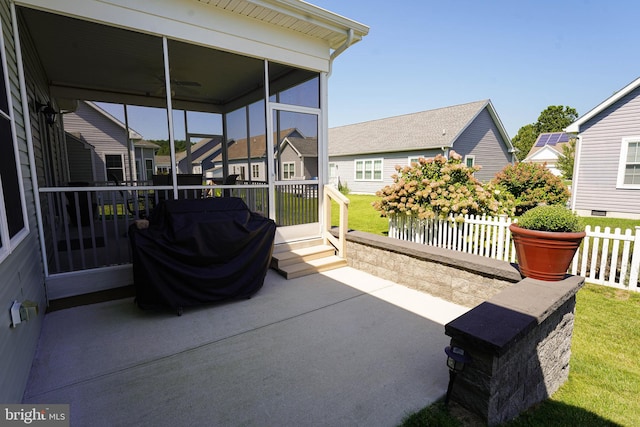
[255, 117]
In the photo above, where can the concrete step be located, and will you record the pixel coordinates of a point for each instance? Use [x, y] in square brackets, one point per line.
[304, 254]
[311, 267]
[285, 247]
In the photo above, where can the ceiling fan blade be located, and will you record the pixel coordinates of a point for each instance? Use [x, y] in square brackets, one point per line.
[185, 83]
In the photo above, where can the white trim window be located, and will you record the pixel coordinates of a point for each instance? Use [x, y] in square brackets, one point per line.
[629, 166]
[469, 161]
[255, 171]
[414, 159]
[288, 170]
[333, 170]
[368, 170]
[114, 166]
[13, 217]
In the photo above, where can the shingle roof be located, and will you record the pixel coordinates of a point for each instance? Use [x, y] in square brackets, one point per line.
[307, 147]
[428, 129]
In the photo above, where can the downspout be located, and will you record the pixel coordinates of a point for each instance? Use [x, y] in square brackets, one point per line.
[24, 99]
[339, 50]
[576, 167]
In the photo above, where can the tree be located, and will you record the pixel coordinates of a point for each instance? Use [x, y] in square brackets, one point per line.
[165, 149]
[554, 118]
[565, 162]
[524, 140]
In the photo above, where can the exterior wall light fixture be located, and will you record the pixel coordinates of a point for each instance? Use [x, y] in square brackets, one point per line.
[457, 358]
[48, 111]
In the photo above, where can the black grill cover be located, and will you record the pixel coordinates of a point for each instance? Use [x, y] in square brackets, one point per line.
[200, 251]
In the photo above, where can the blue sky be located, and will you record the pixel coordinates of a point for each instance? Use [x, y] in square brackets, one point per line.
[523, 55]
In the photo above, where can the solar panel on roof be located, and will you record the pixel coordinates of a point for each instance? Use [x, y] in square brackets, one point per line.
[553, 139]
[542, 140]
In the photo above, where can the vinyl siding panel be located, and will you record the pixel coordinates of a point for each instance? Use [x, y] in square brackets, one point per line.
[599, 158]
[347, 172]
[21, 273]
[483, 140]
[105, 136]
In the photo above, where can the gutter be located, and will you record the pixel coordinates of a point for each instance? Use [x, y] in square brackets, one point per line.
[348, 42]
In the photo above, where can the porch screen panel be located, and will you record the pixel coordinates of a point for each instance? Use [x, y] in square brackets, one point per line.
[296, 162]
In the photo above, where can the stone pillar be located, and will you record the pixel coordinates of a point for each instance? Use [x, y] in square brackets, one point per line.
[520, 345]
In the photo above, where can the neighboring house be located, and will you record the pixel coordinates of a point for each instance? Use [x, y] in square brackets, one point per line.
[163, 165]
[203, 154]
[145, 154]
[363, 156]
[54, 53]
[298, 157]
[606, 176]
[547, 149]
[94, 133]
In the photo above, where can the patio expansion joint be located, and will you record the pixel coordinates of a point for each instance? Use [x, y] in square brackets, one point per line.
[156, 360]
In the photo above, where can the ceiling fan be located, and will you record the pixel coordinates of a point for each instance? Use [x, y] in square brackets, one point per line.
[175, 85]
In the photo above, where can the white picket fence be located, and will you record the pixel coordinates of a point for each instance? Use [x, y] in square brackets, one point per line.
[605, 257]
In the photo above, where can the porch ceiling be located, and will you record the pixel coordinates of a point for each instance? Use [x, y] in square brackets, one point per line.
[86, 60]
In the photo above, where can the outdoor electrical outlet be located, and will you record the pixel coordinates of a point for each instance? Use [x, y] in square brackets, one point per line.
[15, 314]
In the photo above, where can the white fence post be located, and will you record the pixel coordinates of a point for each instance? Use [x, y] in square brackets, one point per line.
[635, 261]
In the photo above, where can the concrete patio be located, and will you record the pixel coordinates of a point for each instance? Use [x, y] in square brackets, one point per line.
[333, 349]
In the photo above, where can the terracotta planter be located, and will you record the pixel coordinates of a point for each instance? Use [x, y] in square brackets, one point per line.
[544, 255]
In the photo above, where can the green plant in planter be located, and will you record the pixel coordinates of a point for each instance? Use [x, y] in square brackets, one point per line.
[551, 218]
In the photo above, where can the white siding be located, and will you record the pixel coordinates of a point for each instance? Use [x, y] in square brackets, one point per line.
[101, 132]
[601, 136]
[346, 168]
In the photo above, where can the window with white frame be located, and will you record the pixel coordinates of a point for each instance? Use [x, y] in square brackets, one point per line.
[288, 170]
[148, 166]
[333, 170]
[255, 171]
[414, 159]
[629, 168]
[469, 161]
[114, 165]
[368, 170]
[13, 221]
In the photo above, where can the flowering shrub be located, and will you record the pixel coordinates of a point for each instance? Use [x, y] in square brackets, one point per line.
[532, 184]
[551, 218]
[437, 188]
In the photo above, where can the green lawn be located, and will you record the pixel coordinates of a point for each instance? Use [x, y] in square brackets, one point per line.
[604, 381]
[362, 216]
[604, 378]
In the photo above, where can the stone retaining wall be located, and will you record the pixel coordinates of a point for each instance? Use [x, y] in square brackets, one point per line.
[458, 277]
[518, 334]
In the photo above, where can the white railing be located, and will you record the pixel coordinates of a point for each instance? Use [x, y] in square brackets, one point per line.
[340, 242]
[605, 257]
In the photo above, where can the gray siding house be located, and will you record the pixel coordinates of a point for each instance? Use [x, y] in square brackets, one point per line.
[105, 137]
[363, 156]
[547, 149]
[606, 176]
